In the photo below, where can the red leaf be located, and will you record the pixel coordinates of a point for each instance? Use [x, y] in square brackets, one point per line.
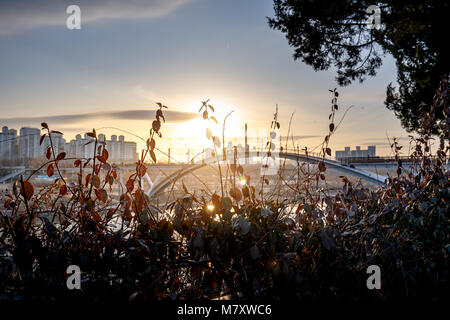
[49, 153]
[142, 170]
[130, 185]
[322, 167]
[105, 154]
[151, 143]
[96, 216]
[7, 203]
[61, 156]
[216, 200]
[299, 208]
[104, 195]
[98, 194]
[236, 194]
[101, 159]
[153, 156]
[42, 139]
[28, 190]
[63, 190]
[88, 179]
[50, 170]
[110, 213]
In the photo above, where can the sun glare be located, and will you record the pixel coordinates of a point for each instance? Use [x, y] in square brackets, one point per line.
[196, 129]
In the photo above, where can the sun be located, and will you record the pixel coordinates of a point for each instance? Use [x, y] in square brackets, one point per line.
[196, 129]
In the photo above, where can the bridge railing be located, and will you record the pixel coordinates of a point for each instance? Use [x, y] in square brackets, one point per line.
[303, 152]
[377, 159]
[262, 152]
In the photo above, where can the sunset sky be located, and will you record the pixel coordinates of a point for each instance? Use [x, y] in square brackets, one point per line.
[130, 54]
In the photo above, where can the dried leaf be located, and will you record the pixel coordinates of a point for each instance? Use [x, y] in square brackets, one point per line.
[152, 155]
[48, 153]
[105, 154]
[62, 190]
[61, 156]
[101, 159]
[331, 127]
[96, 181]
[50, 170]
[227, 203]
[28, 190]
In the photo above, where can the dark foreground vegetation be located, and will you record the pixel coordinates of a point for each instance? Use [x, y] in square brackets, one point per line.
[245, 246]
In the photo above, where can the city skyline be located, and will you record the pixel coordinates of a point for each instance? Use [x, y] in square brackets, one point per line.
[78, 147]
[27, 145]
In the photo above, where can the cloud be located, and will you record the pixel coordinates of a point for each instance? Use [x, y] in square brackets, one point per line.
[300, 137]
[24, 14]
[384, 141]
[170, 115]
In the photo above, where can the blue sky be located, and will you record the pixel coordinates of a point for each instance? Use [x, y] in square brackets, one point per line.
[130, 54]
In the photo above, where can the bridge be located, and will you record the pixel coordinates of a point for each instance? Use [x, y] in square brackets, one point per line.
[160, 183]
[156, 188]
[11, 176]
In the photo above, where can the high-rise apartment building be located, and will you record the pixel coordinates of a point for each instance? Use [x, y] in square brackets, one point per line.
[8, 143]
[357, 153]
[29, 147]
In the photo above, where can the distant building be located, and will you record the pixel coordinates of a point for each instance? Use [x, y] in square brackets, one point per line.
[27, 146]
[8, 144]
[129, 151]
[119, 150]
[357, 153]
[76, 148]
